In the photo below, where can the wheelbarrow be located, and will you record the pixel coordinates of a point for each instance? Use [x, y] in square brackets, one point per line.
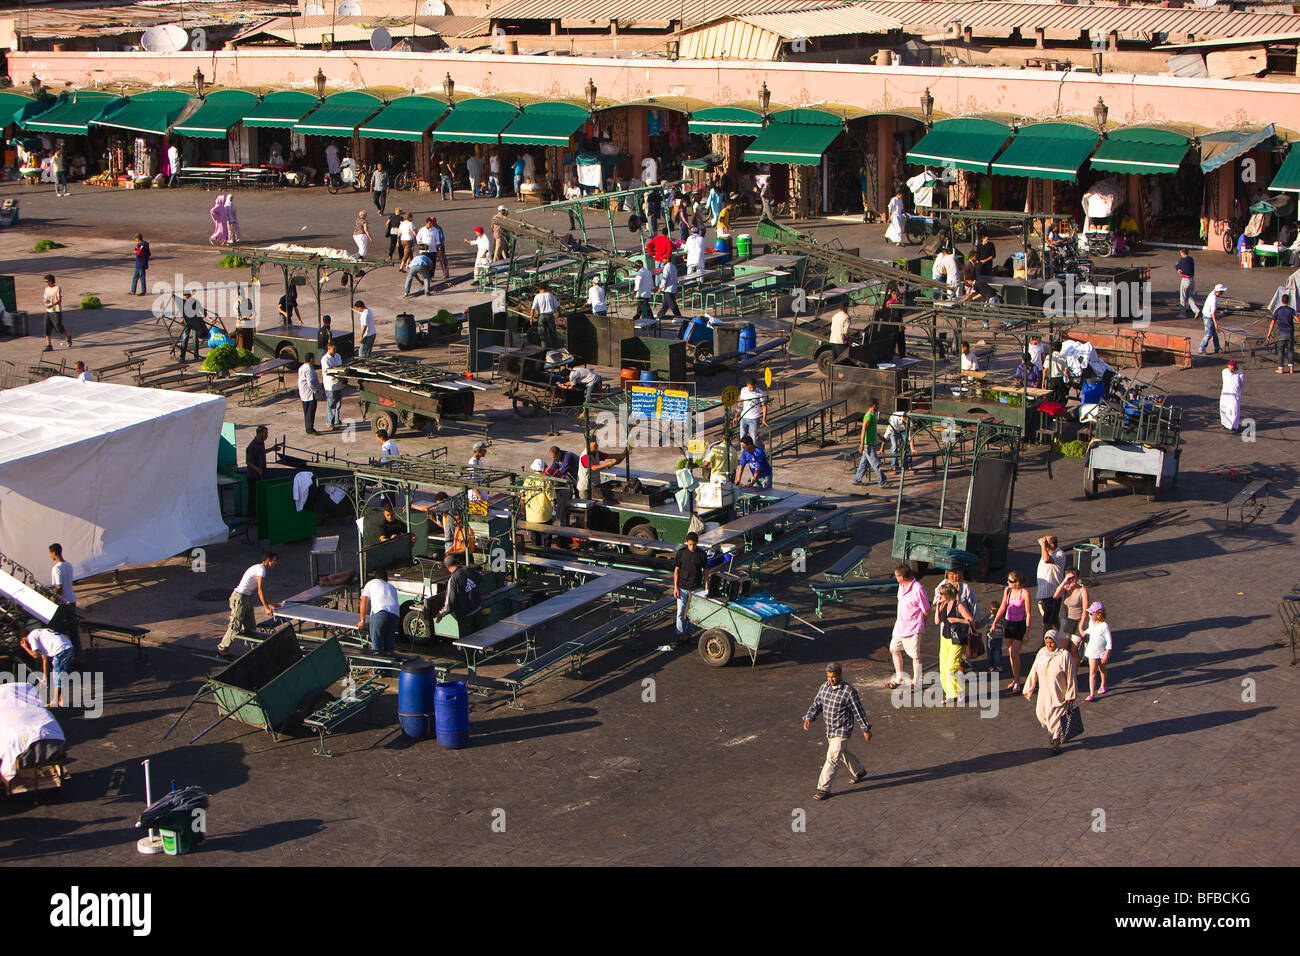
[754, 621]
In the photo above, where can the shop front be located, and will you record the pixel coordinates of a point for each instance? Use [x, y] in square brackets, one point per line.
[798, 140]
[399, 136]
[214, 132]
[557, 131]
[968, 145]
[67, 125]
[874, 163]
[268, 129]
[472, 128]
[1237, 163]
[334, 123]
[1162, 188]
[137, 131]
[1044, 160]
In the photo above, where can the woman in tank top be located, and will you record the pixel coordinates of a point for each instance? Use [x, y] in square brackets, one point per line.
[1016, 608]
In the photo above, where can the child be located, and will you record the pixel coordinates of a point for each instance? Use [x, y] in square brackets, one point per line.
[1097, 649]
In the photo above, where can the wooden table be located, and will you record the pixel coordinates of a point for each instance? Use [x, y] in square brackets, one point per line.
[253, 375]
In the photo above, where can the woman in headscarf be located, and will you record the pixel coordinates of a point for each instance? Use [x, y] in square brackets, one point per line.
[218, 214]
[232, 220]
[1053, 675]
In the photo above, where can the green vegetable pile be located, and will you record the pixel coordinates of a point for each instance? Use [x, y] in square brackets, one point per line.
[225, 357]
[234, 262]
[45, 245]
[1070, 449]
[91, 302]
[444, 318]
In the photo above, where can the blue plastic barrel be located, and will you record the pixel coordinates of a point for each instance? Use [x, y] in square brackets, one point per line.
[723, 246]
[451, 706]
[748, 338]
[404, 331]
[415, 698]
[648, 376]
[697, 330]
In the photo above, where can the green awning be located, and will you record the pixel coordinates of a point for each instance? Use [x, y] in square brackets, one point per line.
[964, 143]
[475, 121]
[72, 116]
[282, 110]
[1287, 179]
[406, 118]
[221, 111]
[17, 108]
[795, 143]
[1227, 145]
[152, 112]
[1047, 151]
[1141, 150]
[340, 114]
[545, 124]
[726, 119]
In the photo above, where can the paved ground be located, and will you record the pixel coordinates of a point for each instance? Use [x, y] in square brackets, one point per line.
[1183, 762]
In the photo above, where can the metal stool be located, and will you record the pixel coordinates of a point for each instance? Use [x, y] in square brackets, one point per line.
[321, 548]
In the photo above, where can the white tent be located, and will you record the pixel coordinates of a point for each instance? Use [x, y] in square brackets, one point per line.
[116, 474]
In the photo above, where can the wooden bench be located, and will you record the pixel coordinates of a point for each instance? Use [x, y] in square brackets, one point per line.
[849, 564]
[139, 350]
[1252, 499]
[325, 720]
[121, 633]
[130, 365]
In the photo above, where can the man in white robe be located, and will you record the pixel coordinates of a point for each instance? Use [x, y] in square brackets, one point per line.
[1230, 397]
[894, 233]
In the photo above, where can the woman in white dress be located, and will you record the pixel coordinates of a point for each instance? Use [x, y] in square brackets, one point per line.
[1230, 397]
[894, 233]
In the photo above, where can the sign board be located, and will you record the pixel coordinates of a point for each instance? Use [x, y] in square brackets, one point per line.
[767, 377]
[660, 404]
[730, 395]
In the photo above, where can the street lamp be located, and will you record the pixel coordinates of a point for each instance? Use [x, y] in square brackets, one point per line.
[35, 84]
[449, 88]
[927, 105]
[1099, 113]
[199, 82]
[319, 80]
[591, 94]
[764, 98]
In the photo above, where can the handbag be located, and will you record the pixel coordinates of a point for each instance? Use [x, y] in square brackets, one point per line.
[975, 646]
[1072, 723]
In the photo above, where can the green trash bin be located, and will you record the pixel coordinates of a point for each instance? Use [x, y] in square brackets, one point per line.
[1083, 555]
[744, 245]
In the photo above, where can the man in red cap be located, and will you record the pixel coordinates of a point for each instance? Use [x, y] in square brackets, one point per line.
[483, 251]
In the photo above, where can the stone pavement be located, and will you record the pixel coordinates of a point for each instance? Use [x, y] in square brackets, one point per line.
[1185, 762]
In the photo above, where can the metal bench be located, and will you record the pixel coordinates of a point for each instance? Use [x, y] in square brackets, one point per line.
[839, 591]
[1289, 611]
[1252, 500]
[121, 633]
[326, 719]
[849, 564]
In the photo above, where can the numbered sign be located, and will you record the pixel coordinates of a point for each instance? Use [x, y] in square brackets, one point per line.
[730, 395]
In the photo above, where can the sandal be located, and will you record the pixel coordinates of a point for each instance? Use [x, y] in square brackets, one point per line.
[1090, 697]
[894, 683]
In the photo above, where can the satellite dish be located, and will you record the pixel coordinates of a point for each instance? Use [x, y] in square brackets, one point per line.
[433, 8]
[381, 40]
[313, 10]
[349, 8]
[1204, 3]
[166, 38]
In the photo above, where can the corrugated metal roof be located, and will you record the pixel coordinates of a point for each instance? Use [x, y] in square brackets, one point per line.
[1060, 20]
[600, 12]
[308, 31]
[828, 22]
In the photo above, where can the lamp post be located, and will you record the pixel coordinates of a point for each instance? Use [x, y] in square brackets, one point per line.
[449, 88]
[927, 105]
[1099, 113]
[764, 98]
[319, 80]
[199, 82]
[591, 95]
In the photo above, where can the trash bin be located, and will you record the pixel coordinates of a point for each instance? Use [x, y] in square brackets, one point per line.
[744, 245]
[726, 338]
[748, 337]
[1083, 558]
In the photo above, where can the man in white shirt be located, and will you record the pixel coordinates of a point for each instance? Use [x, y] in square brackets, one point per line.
[1051, 569]
[477, 459]
[482, 251]
[596, 296]
[307, 392]
[82, 374]
[1037, 352]
[494, 175]
[474, 166]
[61, 578]
[694, 252]
[173, 164]
[380, 605]
[668, 285]
[367, 319]
[41, 643]
[387, 447]
[543, 314]
[840, 328]
[423, 235]
[333, 386]
[969, 363]
[242, 623]
[406, 239]
[645, 286]
[751, 409]
[584, 377]
[1209, 318]
[332, 159]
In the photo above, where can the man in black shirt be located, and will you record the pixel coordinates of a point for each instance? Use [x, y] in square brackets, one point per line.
[464, 597]
[1283, 323]
[984, 255]
[255, 461]
[324, 335]
[393, 525]
[688, 575]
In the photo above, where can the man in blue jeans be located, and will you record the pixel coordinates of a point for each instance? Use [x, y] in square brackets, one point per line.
[1210, 319]
[141, 265]
[869, 445]
[368, 332]
[44, 644]
[518, 170]
[379, 604]
[755, 459]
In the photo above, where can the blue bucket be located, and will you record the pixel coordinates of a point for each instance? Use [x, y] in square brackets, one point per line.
[723, 246]
[748, 338]
[648, 377]
[451, 707]
[415, 698]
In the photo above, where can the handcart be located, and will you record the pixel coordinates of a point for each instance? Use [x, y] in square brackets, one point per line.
[754, 621]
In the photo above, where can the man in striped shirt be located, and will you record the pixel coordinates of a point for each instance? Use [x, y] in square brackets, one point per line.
[838, 702]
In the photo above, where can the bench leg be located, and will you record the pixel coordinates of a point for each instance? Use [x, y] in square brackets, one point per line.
[322, 750]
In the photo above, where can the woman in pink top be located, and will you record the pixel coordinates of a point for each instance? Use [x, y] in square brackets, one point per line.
[1016, 606]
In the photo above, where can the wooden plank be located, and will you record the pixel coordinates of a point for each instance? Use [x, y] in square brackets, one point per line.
[1187, 64]
[1248, 61]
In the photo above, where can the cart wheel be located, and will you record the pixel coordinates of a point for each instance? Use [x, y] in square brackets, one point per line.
[646, 532]
[287, 352]
[415, 624]
[524, 409]
[384, 421]
[825, 359]
[716, 647]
